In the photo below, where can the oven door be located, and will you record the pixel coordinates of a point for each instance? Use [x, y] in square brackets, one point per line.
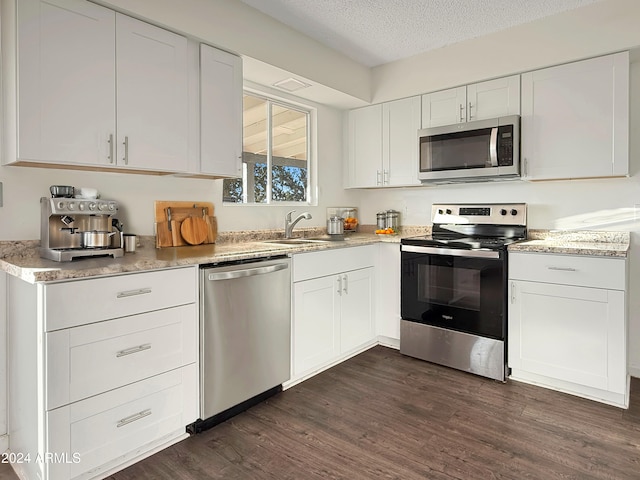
[455, 289]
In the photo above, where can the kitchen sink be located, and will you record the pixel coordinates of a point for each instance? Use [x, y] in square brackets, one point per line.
[296, 241]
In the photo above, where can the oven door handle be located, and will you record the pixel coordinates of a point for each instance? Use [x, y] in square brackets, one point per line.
[450, 251]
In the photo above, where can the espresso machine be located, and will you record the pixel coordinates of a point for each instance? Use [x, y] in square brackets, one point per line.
[78, 227]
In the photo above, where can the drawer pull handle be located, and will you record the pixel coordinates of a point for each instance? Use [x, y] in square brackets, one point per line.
[563, 269]
[133, 293]
[133, 418]
[129, 351]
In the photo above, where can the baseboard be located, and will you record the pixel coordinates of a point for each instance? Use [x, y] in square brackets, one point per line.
[389, 342]
[634, 371]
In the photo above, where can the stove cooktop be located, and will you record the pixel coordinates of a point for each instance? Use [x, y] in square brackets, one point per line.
[468, 243]
[489, 226]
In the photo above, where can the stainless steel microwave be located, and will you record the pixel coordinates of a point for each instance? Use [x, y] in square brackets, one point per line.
[471, 151]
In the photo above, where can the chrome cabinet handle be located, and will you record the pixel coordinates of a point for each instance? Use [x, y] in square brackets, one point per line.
[470, 107]
[345, 284]
[132, 350]
[513, 293]
[385, 177]
[110, 141]
[133, 418]
[133, 293]
[563, 269]
[126, 150]
[526, 167]
[378, 178]
[461, 113]
[339, 285]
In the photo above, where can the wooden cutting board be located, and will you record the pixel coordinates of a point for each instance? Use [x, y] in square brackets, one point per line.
[201, 225]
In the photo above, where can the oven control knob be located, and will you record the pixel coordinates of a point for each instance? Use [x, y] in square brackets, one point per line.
[102, 206]
[503, 212]
[81, 206]
[448, 211]
[72, 206]
[514, 211]
[61, 205]
[112, 207]
[92, 206]
[440, 211]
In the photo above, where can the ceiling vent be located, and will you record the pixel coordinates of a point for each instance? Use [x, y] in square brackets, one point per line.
[291, 84]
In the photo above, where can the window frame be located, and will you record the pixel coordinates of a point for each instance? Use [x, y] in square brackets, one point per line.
[312, 184]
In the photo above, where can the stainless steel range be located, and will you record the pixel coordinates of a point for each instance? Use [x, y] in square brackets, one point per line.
[454, 287]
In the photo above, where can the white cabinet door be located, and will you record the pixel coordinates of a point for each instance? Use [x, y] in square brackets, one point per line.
[573, 334]
[401, 122]
[387, 310]
[152, 99]
[365, 147]
[316, 327]
[493, 98]
[446, 107]
[220, 113]
[575, 119]
[66, 74]
[356, 309]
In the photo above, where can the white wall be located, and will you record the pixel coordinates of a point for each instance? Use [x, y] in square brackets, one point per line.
[23, 187]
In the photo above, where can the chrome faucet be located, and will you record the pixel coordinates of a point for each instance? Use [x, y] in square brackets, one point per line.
[288, 224]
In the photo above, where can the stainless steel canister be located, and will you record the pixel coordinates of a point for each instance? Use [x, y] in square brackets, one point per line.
[335, 225]
[392, 219]
[381, 220]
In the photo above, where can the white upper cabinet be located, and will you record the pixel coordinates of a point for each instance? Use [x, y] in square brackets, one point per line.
[220, 113]
[478, 101]
[365, 147]
[94, 88]
[152, 113]
[66, 92]
[383, 144]
[575, 119]
[400, 125]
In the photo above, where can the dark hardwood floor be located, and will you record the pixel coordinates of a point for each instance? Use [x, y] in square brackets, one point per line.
[382, 415]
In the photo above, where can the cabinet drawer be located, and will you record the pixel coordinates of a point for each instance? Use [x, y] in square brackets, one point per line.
[116, 424]
[91, 359]
[575, 270]
[81, 302]
[329, 262]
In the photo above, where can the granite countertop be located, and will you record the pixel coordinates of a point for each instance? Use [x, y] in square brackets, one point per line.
[21, 258]
[594, 243]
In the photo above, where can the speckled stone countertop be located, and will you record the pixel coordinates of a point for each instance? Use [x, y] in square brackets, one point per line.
[584, 242]
[21, 258]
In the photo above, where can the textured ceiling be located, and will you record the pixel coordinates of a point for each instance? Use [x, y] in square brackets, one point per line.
[374, 32]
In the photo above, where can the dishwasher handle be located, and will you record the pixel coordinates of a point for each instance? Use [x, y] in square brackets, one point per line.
[247, 272]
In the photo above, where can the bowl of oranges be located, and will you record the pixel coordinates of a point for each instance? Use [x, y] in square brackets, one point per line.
[386, 231]
[350, 224]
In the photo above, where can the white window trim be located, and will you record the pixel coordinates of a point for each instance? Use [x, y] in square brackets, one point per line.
[286, 100]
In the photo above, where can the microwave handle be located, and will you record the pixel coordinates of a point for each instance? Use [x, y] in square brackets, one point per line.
[493, 147]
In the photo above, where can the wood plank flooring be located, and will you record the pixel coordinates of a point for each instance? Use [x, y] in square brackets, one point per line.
[382, 415]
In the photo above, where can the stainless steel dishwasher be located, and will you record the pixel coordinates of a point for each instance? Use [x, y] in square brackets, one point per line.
[245, 335]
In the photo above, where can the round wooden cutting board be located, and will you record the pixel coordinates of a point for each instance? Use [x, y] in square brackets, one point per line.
[194, 230]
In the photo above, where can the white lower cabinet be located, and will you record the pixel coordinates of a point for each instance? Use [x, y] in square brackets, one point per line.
[332, 307]
[567, 324]
[88, 397]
